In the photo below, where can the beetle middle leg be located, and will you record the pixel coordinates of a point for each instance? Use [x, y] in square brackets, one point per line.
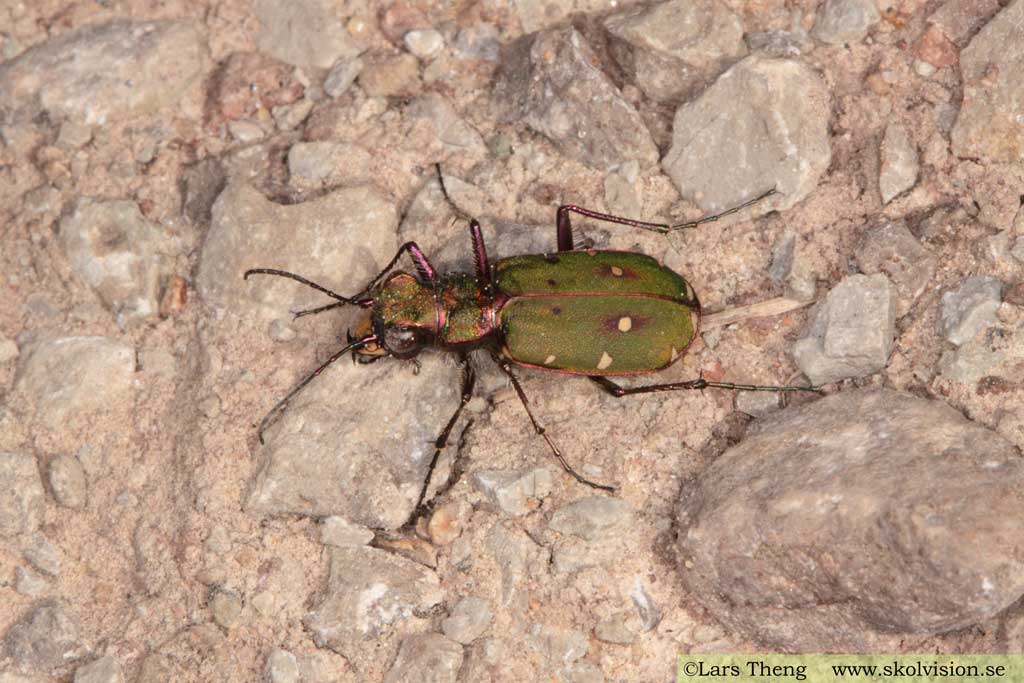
[619, 391]
[564, 224]
[468, 382]
[483, 270]
[506, 367]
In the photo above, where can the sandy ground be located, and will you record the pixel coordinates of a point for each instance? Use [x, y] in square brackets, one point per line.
[147, 531]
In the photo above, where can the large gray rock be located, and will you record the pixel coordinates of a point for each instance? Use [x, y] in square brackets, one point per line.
[671, 48]
[852, 332]
[370, 592]
[357, 442]
[762, 124]
[65, 381]
[991, 121]
[551, 81]
[340, 240]
[118, 253]
[22, 500]
[104, 72]
[304, 32]
[849, 522]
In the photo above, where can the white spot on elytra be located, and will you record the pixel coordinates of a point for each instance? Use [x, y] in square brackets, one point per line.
[616, 271]
[625, 324]
[605, 361]
[549, 360]
[675, 354]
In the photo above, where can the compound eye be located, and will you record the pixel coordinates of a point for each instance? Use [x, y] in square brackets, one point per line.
[401, 340]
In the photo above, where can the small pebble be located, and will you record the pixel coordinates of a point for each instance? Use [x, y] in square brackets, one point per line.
[391, 76]
[923, 68]
[469, 620]
[219, 540]
[444, 526]
[970, 308]
[282, 667]
[338, 531]
[614, 631]
[851, 333]
[757, 403]
[245, 131]
[29, 583]
[281, 331]
[226, 605]
[103, 670]
[514, 492]
[289, 116]
[73, 135]
[342, 75]
[68, 481]
[898, 166]
[592, 518]
[8, 350]
[43, 555]
[424, 44]
[22, 501]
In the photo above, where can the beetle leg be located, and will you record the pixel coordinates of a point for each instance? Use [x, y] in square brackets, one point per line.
[565, 228]
[701, 383]
[420, 260]
[506, 367]
[483, 271]
[468, 382]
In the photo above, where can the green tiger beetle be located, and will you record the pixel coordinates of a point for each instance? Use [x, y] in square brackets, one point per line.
[596, 313]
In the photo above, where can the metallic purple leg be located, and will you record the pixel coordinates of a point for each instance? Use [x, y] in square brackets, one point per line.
[483, 271]
[420, 260]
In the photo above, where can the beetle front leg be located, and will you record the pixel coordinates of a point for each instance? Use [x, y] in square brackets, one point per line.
[468, 382]
[506, 367]
[700, 383]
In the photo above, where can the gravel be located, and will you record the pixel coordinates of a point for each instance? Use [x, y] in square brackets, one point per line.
[151, 153]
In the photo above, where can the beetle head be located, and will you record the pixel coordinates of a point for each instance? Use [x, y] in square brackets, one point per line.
[404, 319]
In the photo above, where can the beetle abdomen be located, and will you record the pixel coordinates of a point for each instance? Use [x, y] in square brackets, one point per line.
[597, 334]
[589, 272]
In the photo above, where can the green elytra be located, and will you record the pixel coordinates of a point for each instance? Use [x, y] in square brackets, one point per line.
[588, 312]
[595, 312]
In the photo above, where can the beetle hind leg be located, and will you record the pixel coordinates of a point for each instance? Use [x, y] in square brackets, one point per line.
[619, 391]
[506, 367]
